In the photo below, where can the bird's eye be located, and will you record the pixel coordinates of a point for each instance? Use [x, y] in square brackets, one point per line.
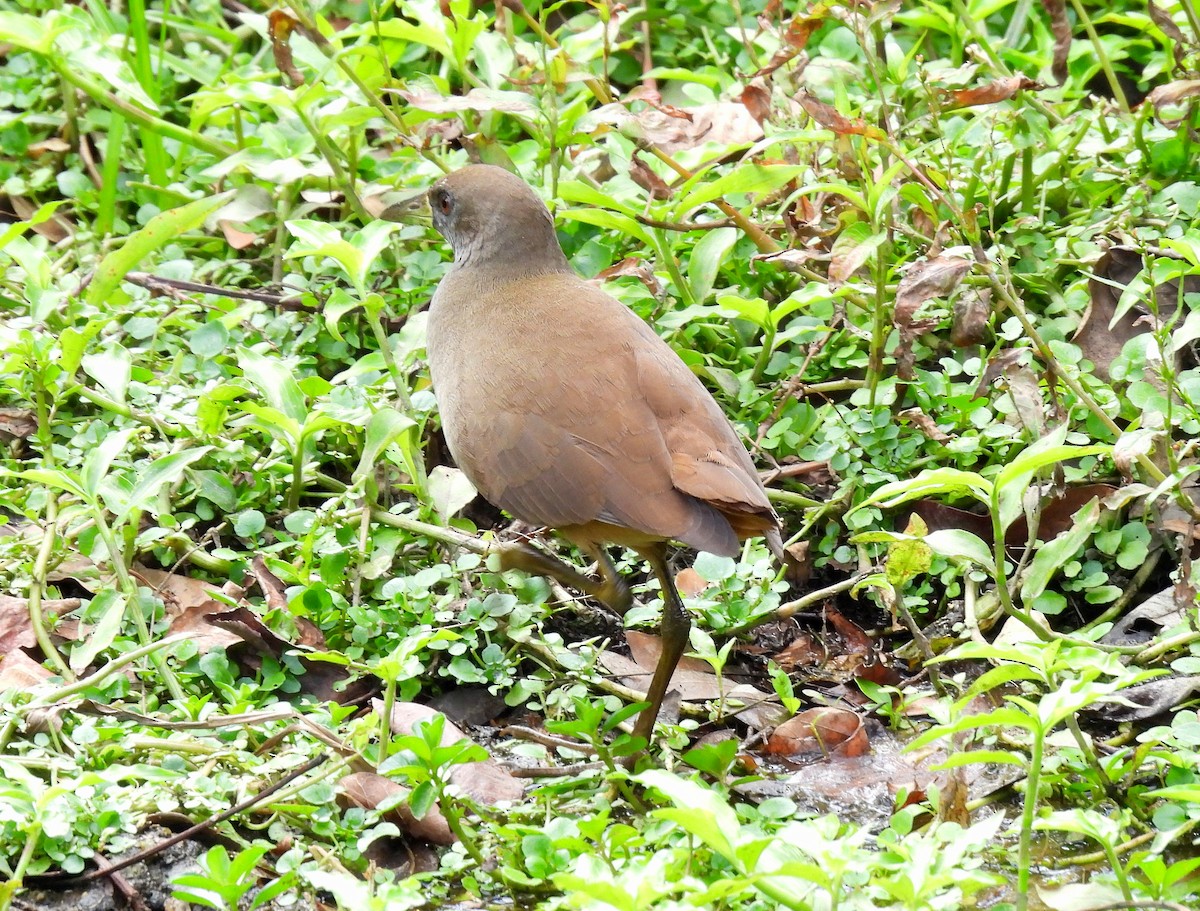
[443, 202]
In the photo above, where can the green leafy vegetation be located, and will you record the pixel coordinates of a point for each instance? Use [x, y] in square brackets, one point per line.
[939, 263]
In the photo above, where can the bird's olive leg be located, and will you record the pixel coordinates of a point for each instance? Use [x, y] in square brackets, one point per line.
[613, 591]
[674, 629]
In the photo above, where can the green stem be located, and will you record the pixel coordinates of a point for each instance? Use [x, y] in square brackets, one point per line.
[297, 475]
[152, 146]
[764, 355]
[668, 261]
[41, 566]
[130, 588]
[110, 176]
[144, 118]
[385, 717]
[1025, 847]
[66, 692]
[1102, 56]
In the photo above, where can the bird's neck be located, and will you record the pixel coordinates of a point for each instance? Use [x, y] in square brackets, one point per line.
[510, 262]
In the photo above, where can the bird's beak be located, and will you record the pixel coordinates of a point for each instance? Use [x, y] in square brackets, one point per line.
[407, 208]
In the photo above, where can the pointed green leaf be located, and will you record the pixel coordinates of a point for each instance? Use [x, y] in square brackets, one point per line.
[707, 256]
[276, 382]
[385, 427]
[159, 231]
[160, 472]
[1050, 557]
[111, 368]
[98, 460]
[748, 178]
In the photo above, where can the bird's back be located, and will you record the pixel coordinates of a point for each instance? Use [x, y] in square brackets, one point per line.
[565, 409]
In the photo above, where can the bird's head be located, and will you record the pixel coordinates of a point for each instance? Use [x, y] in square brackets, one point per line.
[492, 217]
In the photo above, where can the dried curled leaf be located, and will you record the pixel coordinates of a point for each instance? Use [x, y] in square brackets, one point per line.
[1172, 94]
[832, 119]
[993, 92]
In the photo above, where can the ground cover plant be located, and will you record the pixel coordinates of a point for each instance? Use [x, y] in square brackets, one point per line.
[939, 262]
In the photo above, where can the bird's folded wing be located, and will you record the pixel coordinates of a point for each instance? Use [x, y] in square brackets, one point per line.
[551, 475]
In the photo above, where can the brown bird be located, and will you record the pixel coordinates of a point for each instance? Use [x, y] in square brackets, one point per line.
[566, 410]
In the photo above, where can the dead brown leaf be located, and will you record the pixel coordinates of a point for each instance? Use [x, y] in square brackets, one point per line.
[1057, 10]
[1159, 612]
[474, 100]
[16, 631]
[635, 267]
[1166, 24]
[235, 236]
[937, 516]
[693, 680]
[829, 117]
[690, 583]
[803, 651]
[17, 423]
[370, 791]
[55, 228]
[970, 322]
[272, 589]
[1023, 387]
[1098, 336]
[487, 781]
[1143, 701]
[725, 123]
[757, 99]
[281, 25]
[828, 731]
[1172, 94]
[20, 672]
[937, 277]
[53, 145]
[644, 177]
[925, 424]
[993, 92]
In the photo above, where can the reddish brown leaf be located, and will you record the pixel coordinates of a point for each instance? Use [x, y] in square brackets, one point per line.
[690, 583]
[371, 791]
[1163, 20]
[644, 177]
[829, 117]
[280, 27]
[757, 99]
[235, 237]
[1057, 10]
[992, 92]
[1098, 336]
[16, 632]
[20, 672]
[1058, 512]
[801, 28]
[778, 59]
[828, 731]
[937, 516]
